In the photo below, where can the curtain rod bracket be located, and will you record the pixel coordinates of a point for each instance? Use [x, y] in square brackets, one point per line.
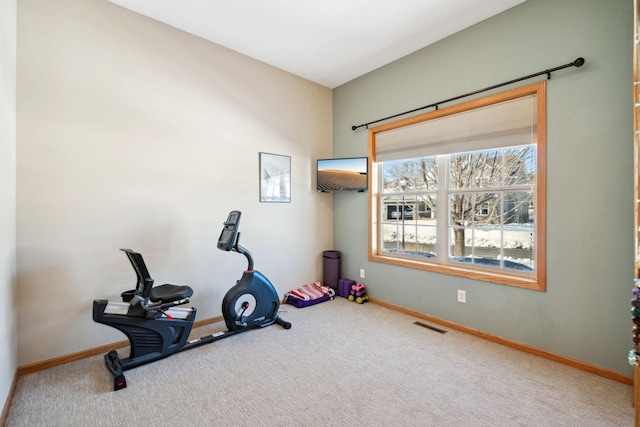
[579, 62]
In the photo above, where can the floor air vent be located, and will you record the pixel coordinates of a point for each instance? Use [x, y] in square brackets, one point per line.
[433, 328]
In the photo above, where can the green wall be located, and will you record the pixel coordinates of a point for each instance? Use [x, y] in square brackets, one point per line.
[584, 314]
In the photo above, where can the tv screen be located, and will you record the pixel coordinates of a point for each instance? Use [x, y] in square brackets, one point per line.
[343, 174]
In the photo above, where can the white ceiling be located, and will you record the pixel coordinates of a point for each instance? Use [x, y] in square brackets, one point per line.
[329, 42]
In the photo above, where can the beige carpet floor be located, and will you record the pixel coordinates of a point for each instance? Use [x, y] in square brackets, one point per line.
[341, 364]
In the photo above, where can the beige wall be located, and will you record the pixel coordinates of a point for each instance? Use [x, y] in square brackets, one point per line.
[8, 329]
[134, 134]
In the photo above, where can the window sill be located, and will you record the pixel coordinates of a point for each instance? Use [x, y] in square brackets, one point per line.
[532, 283]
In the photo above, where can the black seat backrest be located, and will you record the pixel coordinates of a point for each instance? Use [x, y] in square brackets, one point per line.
[145, 282]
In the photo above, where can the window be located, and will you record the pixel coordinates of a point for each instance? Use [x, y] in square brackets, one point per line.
[461, 190]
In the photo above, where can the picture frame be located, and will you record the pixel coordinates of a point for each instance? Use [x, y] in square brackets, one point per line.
[275, 178]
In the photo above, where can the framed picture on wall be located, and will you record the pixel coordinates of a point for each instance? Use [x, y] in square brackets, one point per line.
[275, 178]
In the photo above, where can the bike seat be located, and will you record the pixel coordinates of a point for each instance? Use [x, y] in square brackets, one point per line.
[157, 294]
[169, 293]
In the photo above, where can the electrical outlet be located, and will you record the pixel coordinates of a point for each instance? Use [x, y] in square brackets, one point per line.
[462, 296]
[362, 273]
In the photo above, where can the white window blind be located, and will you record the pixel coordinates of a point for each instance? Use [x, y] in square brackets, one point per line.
[509, 123]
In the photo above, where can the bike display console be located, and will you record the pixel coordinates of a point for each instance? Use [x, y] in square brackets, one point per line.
[229, 231]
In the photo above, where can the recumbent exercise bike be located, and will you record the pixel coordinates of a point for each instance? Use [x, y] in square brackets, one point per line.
[157, 328]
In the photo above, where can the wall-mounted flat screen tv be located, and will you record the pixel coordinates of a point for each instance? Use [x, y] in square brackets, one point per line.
[343, 174]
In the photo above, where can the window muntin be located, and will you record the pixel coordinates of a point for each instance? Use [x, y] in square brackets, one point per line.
[489, 200]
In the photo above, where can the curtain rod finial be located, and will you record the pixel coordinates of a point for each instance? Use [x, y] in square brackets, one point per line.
[579, 62]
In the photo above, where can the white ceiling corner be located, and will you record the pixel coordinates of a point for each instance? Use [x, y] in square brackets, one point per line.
[329, 42]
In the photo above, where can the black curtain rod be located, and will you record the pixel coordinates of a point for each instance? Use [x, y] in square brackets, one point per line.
[579, 62]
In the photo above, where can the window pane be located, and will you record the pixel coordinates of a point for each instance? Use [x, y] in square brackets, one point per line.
[410, 174]
[407, 238]
[399, 208]
[426, 209]
[390, 238]
[487, 209]
[493, 168]
[390, 175]
[520, 165]
[457, 242]
[518, 249]
[517, 206]
[426, 172]
[461, 209]
[427, 240]
[476, 170]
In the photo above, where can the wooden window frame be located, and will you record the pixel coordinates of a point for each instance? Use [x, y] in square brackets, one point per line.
[537, 281]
